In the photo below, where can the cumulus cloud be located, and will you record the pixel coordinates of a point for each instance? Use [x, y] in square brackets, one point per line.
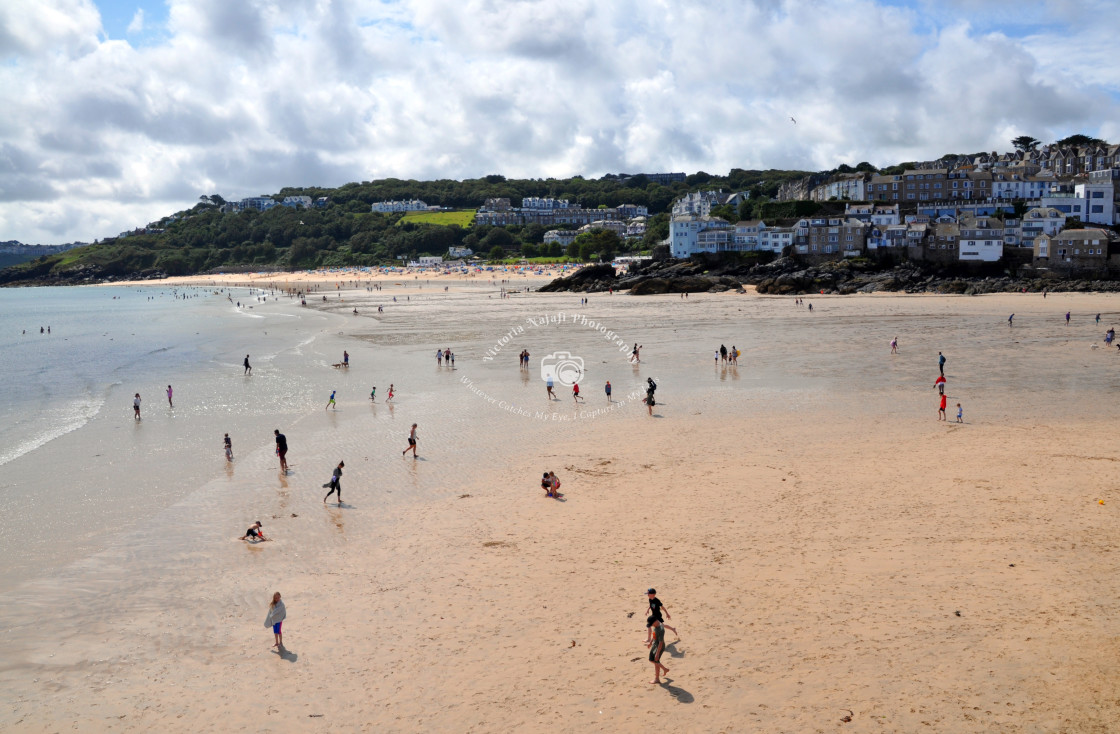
[243, 98]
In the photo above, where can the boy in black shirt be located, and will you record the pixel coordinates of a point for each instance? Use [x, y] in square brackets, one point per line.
[655, 607]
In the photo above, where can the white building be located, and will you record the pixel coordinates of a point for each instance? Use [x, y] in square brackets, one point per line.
[1098, 201]
[775, 239]
[388, 207]
[536, 203]
[981, 239]
[747, 234]
[636, 228]
[613, 225]
[295, 202]
[885, 215]
[845, 186]
[458, 253]
[430, 261]
[1009, 185]
[1039, 221]
[685, 234]
[700, 203]
[563, 236]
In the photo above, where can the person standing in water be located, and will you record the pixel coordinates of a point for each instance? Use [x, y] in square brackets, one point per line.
[607, 388]
[389, 399]
[330, 401]
[1011, 320]
[275, 619]
[373, 394]
[548, 387]
[228, 444]
[346, 356]
[412, 439]
[248, 367]
[136, 407]
[169, 392]
[335, 483]
[281, 449]
[894, 345]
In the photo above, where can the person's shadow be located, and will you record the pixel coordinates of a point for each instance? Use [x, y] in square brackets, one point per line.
[291, 657]
[677, 692]
[671, 648]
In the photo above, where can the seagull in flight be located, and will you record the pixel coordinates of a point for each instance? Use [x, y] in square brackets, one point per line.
[792, 120]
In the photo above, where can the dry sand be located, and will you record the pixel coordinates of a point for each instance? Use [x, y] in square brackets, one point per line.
[822, 542]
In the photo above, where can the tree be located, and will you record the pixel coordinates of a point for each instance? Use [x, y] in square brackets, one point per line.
[1080, 139]
[497, 253]
[529, 250]
[498, 237]
[1025, 143]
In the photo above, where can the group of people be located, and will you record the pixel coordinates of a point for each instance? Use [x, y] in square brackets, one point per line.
[550, 484]
[727, 356]
[445, 355]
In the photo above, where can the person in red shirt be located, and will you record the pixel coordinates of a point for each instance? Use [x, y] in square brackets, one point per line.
[941, 410]
[939, 383]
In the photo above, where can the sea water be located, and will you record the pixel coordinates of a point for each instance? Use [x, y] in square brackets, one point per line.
[75, 467]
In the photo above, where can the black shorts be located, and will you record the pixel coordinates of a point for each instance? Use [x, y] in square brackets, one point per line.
[655, 654]
[412, 442]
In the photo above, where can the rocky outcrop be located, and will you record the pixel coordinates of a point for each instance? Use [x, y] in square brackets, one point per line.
[788, 276]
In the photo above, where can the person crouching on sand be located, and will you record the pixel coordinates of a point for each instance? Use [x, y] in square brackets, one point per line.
[275, 619]
[546, 484]
[254, 532]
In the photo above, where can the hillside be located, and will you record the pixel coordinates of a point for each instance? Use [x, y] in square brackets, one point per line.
[346, 232]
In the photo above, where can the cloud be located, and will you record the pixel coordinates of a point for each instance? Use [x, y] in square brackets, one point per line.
[136, 25]
[243, 98]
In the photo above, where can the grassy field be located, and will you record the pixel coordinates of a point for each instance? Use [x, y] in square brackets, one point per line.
[464, 218]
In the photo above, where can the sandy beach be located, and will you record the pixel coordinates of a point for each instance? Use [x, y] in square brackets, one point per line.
[825, 546]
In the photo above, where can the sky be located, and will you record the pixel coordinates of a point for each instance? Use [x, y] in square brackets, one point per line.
[116, 113]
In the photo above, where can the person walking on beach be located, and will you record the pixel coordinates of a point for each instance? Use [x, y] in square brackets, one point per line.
[412, 439]
[941, 363]
[254, 532]
[894, 345]
[655, 609]
[548, 387]
[575, 392]
[635, 355]
[1011, 320]
[722, 353]
[941, 409]
[335, 483]
[1067, 318]
[248, 367]
[810, 308]
[373, 394]
[330, 401]
[451, 356]
[656, 645]
[281, 449]
[275, 619]
[607, 388]
[1098, 318]
[960, 414]
[389, 398]
[227, 443]
[439, 358]
[346, 356]
[136, 407]
[169, 397]
[717, 357]
[650, 402]
[939, 383]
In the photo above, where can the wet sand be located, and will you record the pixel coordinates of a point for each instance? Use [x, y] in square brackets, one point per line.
[822, 542]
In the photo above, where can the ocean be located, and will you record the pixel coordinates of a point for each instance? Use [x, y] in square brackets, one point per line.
[66, 424]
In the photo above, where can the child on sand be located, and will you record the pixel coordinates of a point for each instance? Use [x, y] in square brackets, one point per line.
[275, 619]
[373, 394]
[390, 398]
[656, 645]
[894, 345]
[411, 442]
[960, 414]
[228, 443]
[555, 482]
[254, 532]
[335, 483]
[655, 608]
[136, 407]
